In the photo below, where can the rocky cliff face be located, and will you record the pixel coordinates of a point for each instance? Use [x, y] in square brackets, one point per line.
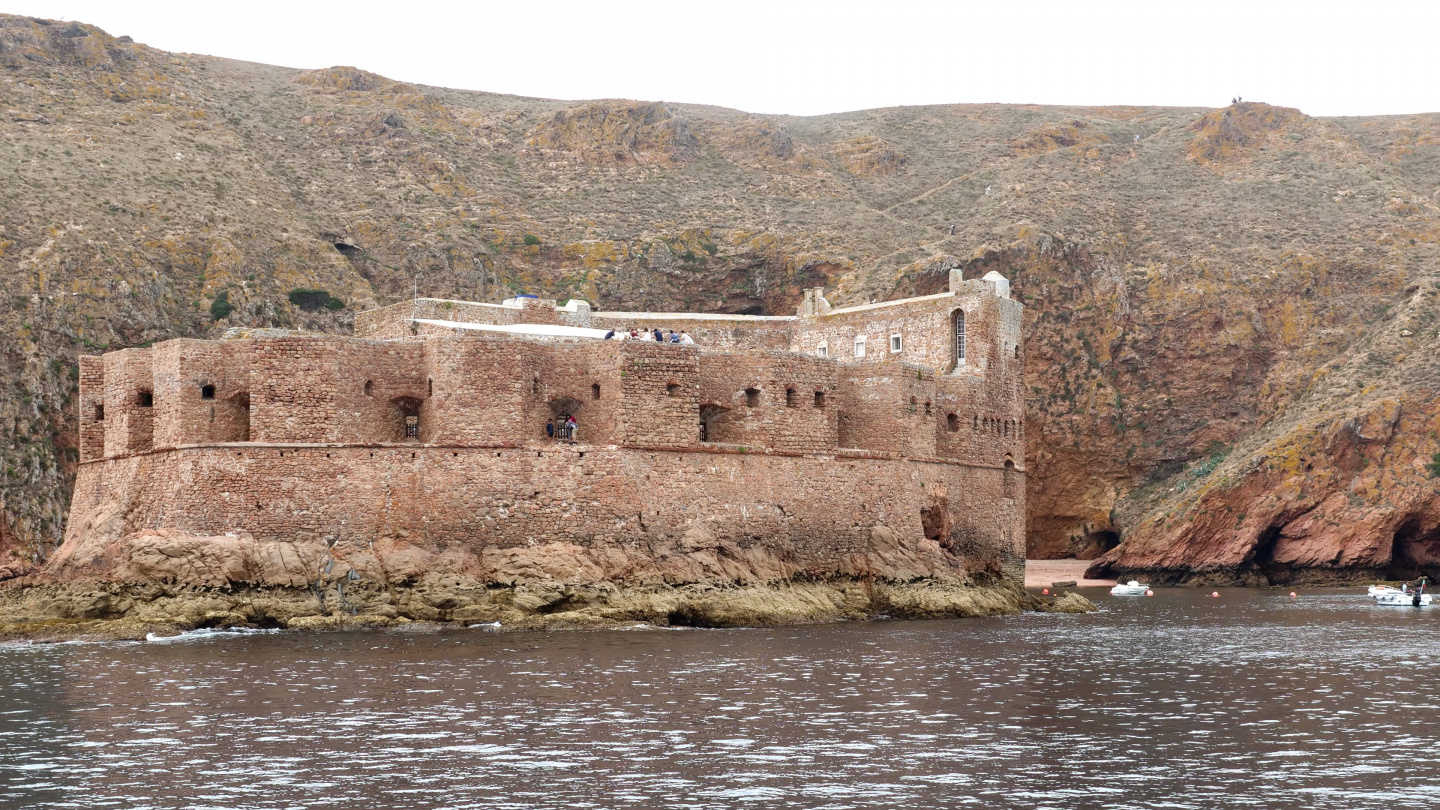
[1342, 485]
[1192, 277]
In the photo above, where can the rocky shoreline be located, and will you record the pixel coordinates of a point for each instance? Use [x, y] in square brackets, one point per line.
[113, 611]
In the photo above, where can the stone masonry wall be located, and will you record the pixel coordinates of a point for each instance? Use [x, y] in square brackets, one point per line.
[201, 391]
[92, 408]
[888, 408]
[294, 385]
[393, 322]
[661, 389]
[795, 401]
[129, 422]
[818, 515]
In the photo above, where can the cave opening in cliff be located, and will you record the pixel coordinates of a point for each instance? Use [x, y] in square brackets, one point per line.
[1098, 542]
[1415, 550]
[1262, 557]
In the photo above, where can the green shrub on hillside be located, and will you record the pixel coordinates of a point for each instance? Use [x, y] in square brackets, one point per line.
[532, 239]
[221, 307]
[1434, 466]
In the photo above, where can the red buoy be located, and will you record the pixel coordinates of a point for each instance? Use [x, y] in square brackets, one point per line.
[1292, 594]
[1045, 591]
[1215, 593]
[1149, 593]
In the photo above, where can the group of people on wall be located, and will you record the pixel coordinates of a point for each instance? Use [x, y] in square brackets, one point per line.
[656, 335]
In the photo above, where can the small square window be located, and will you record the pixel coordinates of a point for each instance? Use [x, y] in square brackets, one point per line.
[897, 344]
[823, 350]
[860, 346]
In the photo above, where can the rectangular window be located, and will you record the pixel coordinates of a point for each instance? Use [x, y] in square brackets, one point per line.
[823, 350]
[896, 344]
[860, 346]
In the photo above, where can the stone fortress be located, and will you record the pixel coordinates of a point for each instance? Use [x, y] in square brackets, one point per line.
[882, 440]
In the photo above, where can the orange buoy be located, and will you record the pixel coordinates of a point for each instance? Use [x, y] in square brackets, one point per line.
[1149, 593]
[1215, 593]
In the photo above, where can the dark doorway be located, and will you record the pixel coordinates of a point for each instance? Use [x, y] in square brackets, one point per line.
[713, 423]
[406, 418]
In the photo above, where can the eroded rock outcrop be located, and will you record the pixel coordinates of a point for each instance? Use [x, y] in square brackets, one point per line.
[1346, 486]
[619, 132]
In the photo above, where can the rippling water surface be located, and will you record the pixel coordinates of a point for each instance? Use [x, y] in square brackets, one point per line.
[1180, 700]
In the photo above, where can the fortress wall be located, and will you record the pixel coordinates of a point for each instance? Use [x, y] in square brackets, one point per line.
[500, 390]
[582, 379]
[91, 407]
[392, 322]
[790, 424]
[537, 310]
[988, 424]
[803, 423]
[475, 391]
[724, 379]
[809, 516]
[181, 370]
[294, 390]
[660, 391]
[923, 325]
[876, 411]
[375, 382]
[129, 425]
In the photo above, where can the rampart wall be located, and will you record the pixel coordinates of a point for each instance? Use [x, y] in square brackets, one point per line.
[818, 516]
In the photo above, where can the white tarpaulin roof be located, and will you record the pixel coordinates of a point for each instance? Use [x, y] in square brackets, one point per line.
[527, 329]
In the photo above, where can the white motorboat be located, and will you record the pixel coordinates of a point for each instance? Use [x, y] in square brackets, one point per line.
[1131, 588]
[1400, 597]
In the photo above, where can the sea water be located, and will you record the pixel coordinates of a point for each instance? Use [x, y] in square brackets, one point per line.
[1180, 700]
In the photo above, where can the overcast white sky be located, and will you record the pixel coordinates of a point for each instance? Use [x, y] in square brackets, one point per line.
[1327, 58]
